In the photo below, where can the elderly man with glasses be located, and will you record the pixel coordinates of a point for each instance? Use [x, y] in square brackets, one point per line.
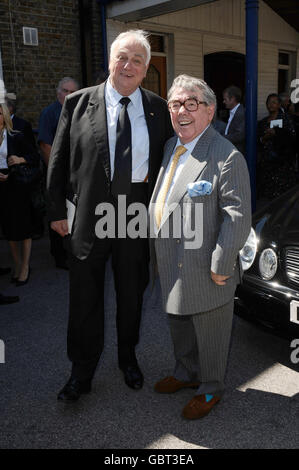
[200, 213]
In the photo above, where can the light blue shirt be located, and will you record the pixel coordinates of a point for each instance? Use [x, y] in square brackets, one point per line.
[140, 138]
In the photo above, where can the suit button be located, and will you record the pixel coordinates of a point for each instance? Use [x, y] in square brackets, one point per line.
[180, 265]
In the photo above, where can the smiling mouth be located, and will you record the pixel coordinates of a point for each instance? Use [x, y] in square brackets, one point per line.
[185, 123]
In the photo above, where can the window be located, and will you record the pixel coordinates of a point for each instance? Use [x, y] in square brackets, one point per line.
[286, 68]
[30, 36]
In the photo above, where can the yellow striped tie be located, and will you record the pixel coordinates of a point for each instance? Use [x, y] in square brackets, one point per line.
[159, 206]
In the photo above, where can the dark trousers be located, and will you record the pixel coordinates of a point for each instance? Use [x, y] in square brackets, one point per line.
[57, 249]
[130, 259]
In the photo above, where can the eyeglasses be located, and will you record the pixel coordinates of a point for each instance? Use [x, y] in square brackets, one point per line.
[190, 104]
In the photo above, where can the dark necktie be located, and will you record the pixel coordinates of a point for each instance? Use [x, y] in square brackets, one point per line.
[121, 182]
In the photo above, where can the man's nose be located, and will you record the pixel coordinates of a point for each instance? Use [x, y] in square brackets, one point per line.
[182, 109]
[127, 64]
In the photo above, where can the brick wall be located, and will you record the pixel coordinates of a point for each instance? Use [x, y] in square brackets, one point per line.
[32, 72]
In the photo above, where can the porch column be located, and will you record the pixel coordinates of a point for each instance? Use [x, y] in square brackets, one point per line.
[251, 91]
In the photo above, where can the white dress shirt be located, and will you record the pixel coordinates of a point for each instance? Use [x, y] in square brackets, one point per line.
[183, 158]
[3, 152]
[231, 117]
[140, 138]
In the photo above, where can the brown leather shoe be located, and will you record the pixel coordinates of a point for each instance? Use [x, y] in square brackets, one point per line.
[172, 385]
[199, 407]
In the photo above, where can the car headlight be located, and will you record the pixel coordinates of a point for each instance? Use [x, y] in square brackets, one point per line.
[248, 252]
[268, 264]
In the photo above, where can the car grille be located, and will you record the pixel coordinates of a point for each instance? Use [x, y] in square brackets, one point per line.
[292, 264]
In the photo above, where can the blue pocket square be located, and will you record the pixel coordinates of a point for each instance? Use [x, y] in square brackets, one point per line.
[199, 188]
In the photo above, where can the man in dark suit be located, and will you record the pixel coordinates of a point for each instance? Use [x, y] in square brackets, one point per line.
[109, 143]
[235, 129]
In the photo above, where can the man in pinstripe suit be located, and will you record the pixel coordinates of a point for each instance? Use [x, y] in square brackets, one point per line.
[203, 192]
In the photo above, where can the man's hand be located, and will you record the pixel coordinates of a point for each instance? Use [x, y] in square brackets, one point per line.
[14, 160]
[219, 279]
[3, 177]
[61, 227]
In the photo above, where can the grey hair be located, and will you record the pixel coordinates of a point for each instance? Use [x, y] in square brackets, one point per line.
[65, 80]
[140, 37]
[194, 84]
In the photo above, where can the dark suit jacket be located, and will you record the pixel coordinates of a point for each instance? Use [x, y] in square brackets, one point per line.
[25, 127]
[18, 144]
[236, 130]
[80, 160]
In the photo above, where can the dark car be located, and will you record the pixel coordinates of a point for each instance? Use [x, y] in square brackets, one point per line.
[270, 287]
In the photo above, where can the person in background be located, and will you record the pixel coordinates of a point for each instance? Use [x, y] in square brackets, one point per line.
[25, 127]
[276, 151]
[285, 103]
[48, 123]
[235, 128]
[15, 208]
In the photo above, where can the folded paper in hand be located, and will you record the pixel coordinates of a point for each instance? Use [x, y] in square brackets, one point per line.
[71, 209]
[199, 188]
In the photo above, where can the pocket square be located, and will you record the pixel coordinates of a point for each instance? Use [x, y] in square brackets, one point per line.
[199, 188]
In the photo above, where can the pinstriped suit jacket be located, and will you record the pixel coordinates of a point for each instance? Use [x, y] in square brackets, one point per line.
[185, 273]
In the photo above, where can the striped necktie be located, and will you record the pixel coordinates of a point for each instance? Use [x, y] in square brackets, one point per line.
[159, 206]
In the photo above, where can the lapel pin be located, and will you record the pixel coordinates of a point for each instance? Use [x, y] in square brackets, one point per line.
[152, 114]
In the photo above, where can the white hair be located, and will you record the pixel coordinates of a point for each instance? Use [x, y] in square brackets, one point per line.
[65, 80]
[193, 84]
[139, 36]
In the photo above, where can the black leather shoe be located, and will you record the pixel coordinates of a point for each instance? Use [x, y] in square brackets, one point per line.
[133, 377]
[4, 271]
[8, 299]
[72, 391]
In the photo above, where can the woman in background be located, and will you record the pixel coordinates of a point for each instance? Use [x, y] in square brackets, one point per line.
[276, 157]
[15, 198]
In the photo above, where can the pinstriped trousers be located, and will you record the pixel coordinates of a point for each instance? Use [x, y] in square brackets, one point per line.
[201, 345]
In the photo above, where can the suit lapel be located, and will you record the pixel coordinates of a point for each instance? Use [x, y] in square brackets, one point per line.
[150, 117]
[96, 111]
[168, 152]
[193, 167]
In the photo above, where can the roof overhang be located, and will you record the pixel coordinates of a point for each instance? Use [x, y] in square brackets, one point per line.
[137, 10]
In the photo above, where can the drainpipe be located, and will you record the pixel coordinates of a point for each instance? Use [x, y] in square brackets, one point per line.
[102, 4]
[252, 7]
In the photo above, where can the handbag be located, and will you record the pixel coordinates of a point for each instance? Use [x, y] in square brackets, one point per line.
[25, 174]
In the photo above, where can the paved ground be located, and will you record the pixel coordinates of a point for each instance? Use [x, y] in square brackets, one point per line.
[259, 410]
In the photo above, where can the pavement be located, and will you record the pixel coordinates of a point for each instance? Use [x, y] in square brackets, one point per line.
[260, 409]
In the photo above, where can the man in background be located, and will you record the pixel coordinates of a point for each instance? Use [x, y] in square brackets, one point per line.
[235, 129]
[48, 123]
